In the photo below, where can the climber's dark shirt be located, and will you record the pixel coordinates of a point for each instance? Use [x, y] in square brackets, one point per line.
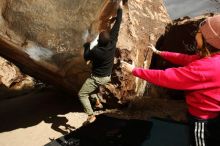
[102, 57]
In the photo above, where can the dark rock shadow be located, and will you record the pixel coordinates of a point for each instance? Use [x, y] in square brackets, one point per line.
[7, 93]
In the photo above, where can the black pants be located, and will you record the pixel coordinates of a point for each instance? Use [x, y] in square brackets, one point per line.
[204, 132]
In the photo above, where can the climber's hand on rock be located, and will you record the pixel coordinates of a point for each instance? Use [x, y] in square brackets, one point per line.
[125, 2]
[152, 47]
[121, 4]
[86, 36]
[127, 67]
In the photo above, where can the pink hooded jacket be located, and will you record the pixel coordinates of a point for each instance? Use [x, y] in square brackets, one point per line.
[200, 78]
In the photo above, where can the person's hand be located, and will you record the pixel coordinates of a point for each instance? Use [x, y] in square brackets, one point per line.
[127, 67]
[151, 46]
[86, 36]
[121, 4]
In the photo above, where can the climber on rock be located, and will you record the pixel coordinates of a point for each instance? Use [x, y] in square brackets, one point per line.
[101, 57]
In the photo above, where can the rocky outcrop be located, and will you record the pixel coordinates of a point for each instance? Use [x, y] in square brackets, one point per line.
[11, 76]
[44, 39]
[144, 23]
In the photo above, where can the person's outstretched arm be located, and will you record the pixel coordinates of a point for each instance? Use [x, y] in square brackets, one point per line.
[87, 52]
[175, 58]
[178, 58]
[181, 78]
[115, 29]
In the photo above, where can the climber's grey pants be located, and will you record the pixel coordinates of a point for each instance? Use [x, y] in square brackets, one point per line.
[90, 85]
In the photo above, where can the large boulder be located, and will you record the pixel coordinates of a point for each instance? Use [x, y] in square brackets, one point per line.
[45, 39]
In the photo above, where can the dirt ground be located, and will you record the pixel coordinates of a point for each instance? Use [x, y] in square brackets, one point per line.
[36, 118]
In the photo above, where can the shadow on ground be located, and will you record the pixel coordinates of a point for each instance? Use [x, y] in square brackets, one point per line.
[37, 106]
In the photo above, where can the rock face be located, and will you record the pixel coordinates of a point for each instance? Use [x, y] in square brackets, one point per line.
[45, 39]
[143, 23]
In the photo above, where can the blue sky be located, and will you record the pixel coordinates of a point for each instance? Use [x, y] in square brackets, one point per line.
[178, 8]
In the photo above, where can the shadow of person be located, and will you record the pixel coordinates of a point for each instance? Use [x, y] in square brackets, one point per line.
[59, 124]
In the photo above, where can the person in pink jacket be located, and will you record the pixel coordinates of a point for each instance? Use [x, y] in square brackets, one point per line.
[199, 76]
